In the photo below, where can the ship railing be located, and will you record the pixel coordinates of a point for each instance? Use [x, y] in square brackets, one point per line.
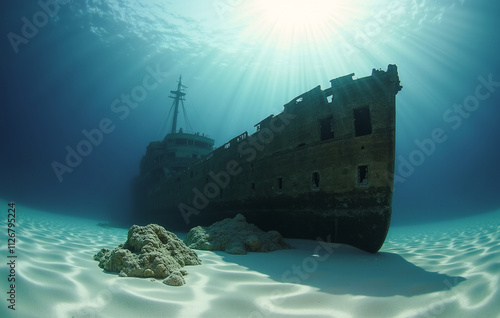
[312, 95]
[219, 150]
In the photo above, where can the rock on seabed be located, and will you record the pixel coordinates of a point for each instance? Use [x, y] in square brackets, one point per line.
[234, 236]
[150, 251]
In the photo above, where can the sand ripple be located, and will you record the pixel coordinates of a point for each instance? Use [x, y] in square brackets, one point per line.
[441, 270]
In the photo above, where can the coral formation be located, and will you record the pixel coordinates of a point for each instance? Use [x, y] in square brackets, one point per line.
[150, 251]
[234, 236]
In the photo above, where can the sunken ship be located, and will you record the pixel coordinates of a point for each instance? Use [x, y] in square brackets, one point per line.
[320, 169]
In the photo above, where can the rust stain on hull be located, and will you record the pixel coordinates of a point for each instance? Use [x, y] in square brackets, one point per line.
[321, 169]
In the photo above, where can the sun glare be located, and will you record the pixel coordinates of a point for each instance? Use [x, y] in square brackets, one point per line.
[294, 14]
[298, 21]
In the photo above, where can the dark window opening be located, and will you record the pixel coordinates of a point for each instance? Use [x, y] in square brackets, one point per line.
[195, 156]
[181, 141]
[362, 122]
[253, 185]
[362, 175]
[279, 184]
[241, 137]
[315, 180]
[326, 128]
[201, 144]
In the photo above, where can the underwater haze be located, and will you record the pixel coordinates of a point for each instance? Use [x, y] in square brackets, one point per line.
[85, 88]
[65, 71]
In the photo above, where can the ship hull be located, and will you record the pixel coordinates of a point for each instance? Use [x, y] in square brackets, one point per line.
[322, 169]
[364, 228]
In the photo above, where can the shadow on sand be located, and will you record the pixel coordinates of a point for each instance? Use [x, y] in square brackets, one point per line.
[342, 269]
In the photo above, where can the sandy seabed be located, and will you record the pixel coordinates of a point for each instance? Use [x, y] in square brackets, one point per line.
[448, 269]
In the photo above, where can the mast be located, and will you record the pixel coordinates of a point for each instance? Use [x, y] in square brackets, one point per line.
[178, 96]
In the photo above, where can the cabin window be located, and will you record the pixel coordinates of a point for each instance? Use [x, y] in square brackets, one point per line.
[362, 122]
[326, 128]
[362, 175]
[195, 156]
[200, 144]
[315, 181]
[242, 137]
[279, 185]
[181, 141]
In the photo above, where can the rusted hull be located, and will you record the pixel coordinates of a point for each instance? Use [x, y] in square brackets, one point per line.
[321, 169]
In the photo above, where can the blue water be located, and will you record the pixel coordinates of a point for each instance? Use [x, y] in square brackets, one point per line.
[69, 68]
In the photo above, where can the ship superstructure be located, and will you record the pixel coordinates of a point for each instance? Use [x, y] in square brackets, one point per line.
[322, 168]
